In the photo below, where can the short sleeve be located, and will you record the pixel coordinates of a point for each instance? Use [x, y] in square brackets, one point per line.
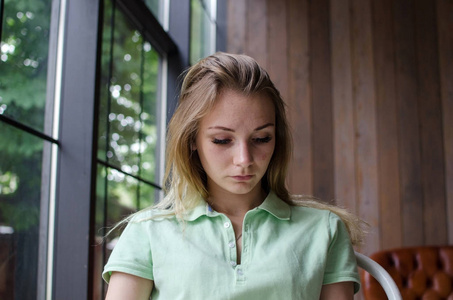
[341, 264]
[132, 254]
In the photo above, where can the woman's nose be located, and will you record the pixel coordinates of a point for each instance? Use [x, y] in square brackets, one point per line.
[243, 156]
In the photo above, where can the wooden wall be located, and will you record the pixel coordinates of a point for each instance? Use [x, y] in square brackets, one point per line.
[369, 88]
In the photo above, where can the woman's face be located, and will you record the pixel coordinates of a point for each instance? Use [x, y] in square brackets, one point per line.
[235, 143]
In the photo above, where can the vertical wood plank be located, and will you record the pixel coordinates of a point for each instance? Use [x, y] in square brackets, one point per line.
[408, 124]
[343, 105]
[323, 165]
[256, 36]
[445, 30]
[299, 98]
[236, 18]
[431, 124]
[388, 172]
[277, 44]
[365, 116]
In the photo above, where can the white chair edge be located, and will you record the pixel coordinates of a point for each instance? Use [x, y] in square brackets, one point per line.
[380, 274]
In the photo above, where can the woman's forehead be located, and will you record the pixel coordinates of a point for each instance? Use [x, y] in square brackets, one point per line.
[233, 109]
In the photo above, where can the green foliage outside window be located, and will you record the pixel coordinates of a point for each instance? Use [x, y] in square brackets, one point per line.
[127, 119]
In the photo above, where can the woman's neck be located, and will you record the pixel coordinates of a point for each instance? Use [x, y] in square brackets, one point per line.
[236, 205]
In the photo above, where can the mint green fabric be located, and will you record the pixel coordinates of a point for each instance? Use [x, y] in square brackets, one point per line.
[288, 252]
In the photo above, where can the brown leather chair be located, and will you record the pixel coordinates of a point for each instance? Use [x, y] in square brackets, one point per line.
[419, 272]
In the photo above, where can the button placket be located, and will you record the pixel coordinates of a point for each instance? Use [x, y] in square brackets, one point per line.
[231, 243]
[240, 278]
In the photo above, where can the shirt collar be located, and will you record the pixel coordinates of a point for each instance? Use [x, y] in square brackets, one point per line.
[272, 204]
[276, 207]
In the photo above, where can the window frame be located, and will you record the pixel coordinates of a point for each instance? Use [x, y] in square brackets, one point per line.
[66, 252]
[77, 160]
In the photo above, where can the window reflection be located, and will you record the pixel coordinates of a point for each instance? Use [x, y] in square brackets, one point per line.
[24, 56]
[202, 29]
[157, 7]
[24, 59]
[20, 201]
[128, 130]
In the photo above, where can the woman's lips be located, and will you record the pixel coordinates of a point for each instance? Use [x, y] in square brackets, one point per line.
[242, 177]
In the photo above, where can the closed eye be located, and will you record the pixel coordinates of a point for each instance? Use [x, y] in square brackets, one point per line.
[221, 142]
[262, 140]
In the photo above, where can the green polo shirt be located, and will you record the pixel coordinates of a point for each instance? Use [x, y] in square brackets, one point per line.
[288, 252]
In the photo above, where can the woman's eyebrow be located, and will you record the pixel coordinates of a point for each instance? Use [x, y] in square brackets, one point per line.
[221, 128]
[264, 126]
[232, 130]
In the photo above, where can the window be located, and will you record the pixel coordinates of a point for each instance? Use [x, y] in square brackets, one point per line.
[128, 131]
[159, 8]
[203, 29]
[85, 93]
[25, 145]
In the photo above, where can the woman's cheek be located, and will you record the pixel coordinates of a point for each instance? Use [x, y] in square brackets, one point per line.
[266, 155]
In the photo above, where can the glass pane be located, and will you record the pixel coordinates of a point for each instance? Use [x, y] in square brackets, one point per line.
[99, 287]
[20, 194]
[116, 198]
[148, 195]
[157, 8]
[202, 29]
[129, 79]
[24, 56]
[128, 132]
[125, 86]
[148, 161]
[105, 81]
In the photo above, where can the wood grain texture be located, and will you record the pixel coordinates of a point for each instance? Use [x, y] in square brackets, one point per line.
[408, 123]
[236, 33]
[430, 124]
[257, 31]
[343, 106]
[445, 33]
[387, 133]
[365, 116]
[277, 44]
[320, 68]
[299, 97]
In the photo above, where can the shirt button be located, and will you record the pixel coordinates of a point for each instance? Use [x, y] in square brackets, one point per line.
[226, 225]
[231, 245]
[233, 263]
[240, 272]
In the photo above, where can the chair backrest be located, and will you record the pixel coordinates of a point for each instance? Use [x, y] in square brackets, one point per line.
[424, 272]
[385, 280]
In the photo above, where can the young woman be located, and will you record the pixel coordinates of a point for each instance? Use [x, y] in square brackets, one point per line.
[227, 227]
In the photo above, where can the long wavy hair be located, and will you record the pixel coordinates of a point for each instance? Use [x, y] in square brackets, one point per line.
[185, 179]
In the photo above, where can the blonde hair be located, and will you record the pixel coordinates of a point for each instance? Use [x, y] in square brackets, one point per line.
[185, 179]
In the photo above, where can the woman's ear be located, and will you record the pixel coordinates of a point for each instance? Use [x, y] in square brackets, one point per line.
[193, 146]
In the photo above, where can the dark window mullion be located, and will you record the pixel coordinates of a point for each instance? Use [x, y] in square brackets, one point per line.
[2, 9]
[107, 133]
[140, 132]
[27, 128]
[154, 185]
[148, 24]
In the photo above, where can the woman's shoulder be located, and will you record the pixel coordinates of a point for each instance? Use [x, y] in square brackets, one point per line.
[334, 215]
[151, 214]
[315, 211]
[301, 212]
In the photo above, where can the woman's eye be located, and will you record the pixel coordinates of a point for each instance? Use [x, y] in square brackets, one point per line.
[221, 142]
[262, 140]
